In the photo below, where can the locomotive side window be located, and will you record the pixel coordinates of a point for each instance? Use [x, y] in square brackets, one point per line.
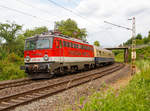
[64, 43]
[68, 44]
[60, 43]
[71, 45]
[74, 45]
[77, 46]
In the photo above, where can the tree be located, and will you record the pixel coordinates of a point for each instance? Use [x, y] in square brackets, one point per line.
[9, 31]
[139, 36]
[96, 43]
[70, 28]
[36, 30]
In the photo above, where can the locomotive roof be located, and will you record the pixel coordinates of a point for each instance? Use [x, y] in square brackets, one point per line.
[60, 36]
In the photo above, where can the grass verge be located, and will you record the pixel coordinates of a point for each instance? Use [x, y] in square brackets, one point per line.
[134, 97]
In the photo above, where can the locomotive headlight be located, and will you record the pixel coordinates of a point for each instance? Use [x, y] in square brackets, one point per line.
[27, 58]
[46, 57]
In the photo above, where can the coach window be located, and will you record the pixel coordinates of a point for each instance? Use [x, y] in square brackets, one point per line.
[99, 52]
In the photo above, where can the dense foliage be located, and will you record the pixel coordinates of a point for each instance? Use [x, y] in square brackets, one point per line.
[70, 28]
[96, 43]
[139, 40]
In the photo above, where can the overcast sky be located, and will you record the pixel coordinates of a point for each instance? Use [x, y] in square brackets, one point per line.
[93, 12]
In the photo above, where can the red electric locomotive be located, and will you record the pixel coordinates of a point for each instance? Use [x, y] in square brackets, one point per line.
[48, 54]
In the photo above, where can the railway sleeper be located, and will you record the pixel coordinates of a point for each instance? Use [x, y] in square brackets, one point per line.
[17, 100]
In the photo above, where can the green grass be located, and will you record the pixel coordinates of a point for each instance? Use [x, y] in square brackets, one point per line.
[119, 55]
[134, 97]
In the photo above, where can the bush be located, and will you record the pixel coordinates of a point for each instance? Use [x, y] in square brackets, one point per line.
[14, 58]
[10, 67]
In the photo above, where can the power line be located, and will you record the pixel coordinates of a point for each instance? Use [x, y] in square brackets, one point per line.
[15, 10]
[21, 12]
[69, 10]
[27, 4]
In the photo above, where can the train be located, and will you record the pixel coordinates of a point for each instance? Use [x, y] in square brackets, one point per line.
[52, 53]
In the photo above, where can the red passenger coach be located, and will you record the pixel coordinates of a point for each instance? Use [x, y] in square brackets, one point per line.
[46, 55]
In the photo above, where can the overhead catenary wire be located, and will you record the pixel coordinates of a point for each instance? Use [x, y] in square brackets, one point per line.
[23, 13]
[32, 6]
[71, 11]
[15, 10]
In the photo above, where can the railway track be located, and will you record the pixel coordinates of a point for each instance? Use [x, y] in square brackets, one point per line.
[11, 101]
[20, 82]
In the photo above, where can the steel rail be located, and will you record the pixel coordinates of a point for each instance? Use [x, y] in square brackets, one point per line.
[15, 83]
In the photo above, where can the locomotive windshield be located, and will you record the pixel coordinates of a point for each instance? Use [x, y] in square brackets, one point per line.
[41, 43]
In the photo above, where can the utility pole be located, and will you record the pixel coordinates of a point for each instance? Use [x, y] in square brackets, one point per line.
[133, 46]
